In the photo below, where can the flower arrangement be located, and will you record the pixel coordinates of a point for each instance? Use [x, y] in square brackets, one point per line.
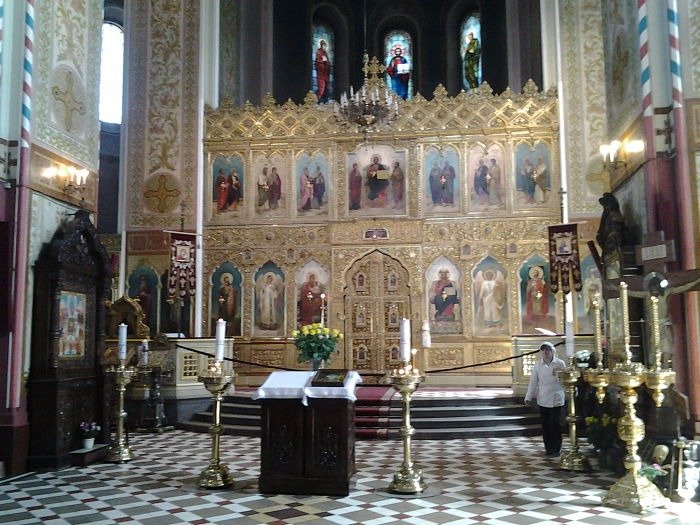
[316, 342]
[89, 429]
[601, 431]
[651, 471]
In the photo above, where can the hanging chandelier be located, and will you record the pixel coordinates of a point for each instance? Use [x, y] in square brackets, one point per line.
[373, 105]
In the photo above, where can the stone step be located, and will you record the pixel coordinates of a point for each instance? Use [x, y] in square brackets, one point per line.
[444, 415]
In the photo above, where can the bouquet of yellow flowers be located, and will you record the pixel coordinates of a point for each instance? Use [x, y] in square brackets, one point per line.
[316, 342]
[601, 431]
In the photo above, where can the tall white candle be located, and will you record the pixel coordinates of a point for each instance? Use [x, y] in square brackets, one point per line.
[144, 350]
[425, 333]
[569, 338]
[220, 334]
[405, 341]
[121, 354]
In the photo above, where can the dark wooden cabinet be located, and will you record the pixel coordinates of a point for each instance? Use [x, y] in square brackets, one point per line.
[307, 449]
[65, 386]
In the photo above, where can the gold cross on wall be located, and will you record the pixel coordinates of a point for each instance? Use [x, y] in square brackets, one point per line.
[70, 103]
[164, 192]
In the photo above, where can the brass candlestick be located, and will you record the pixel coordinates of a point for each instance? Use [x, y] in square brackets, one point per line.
[573, 459]
[657, 379]
[120, 452]
[216, 475]
[408, 480]
[599, 378]
[632, 492]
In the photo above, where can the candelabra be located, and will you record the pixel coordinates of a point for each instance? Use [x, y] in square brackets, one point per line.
[633, 492]
[409, 479]
[216, 475]
[573, 459]
[120, 452]
[373, 103]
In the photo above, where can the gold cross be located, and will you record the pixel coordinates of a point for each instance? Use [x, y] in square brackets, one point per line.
[70, 103]
[165, 194]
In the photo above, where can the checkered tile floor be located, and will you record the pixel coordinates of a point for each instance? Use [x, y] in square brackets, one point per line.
[477, 481]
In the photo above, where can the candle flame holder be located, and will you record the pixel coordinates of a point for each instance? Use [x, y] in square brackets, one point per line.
[120, 452]
[409, 479]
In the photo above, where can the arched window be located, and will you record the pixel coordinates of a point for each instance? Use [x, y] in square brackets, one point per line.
[111, 70]
[322, 60]
[398, 58]
[470, 51]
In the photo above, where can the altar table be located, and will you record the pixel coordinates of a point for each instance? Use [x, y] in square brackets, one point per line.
[307, 443]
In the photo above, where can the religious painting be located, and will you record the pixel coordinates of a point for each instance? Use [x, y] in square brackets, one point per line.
[632, 198]
[470, 51]
[143, 286]
[537, 302]
[485, 174]
[398, 57]
[175, 310]
[441, 178]
[226, 293]
[622, 72]
[312, 281]
[592, 285]
[71, 320]
[360, 316]
[376, 181]
[490, 299]
[227, 190]
[323, 58]
[533, 175]
[269, 301]
[271, 181]
[311, 174]
[444, 297]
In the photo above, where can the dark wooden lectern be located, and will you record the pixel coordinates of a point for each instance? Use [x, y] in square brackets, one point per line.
[307, 449]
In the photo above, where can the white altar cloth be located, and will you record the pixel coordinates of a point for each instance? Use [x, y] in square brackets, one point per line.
[297, 385]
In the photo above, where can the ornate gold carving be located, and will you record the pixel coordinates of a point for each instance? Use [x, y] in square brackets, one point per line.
[444, 356]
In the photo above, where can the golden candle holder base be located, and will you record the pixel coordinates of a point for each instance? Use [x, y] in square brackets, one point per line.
[216, 475]
[120, 452]
[634, 493]
[573, 459]
[409, 479]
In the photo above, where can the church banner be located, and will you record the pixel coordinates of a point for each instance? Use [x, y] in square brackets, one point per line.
[182, 277]
[564, 260]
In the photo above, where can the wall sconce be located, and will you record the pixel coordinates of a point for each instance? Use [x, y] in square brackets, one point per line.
[615, 154]
[71, 179]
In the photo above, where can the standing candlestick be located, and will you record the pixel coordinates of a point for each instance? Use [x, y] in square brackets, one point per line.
[216, 474]
[120, 452]
[405, 341]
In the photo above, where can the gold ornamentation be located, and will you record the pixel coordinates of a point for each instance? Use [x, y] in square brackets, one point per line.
[162, 193]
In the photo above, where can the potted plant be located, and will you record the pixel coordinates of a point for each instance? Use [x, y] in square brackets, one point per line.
[316, 343]
[602, 434]
[88, 432]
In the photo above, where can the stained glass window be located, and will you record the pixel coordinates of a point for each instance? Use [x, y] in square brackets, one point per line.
[398, 59]
[322, 60]
[470, 52]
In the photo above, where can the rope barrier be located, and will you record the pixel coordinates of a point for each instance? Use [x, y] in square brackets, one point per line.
[241, 361]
